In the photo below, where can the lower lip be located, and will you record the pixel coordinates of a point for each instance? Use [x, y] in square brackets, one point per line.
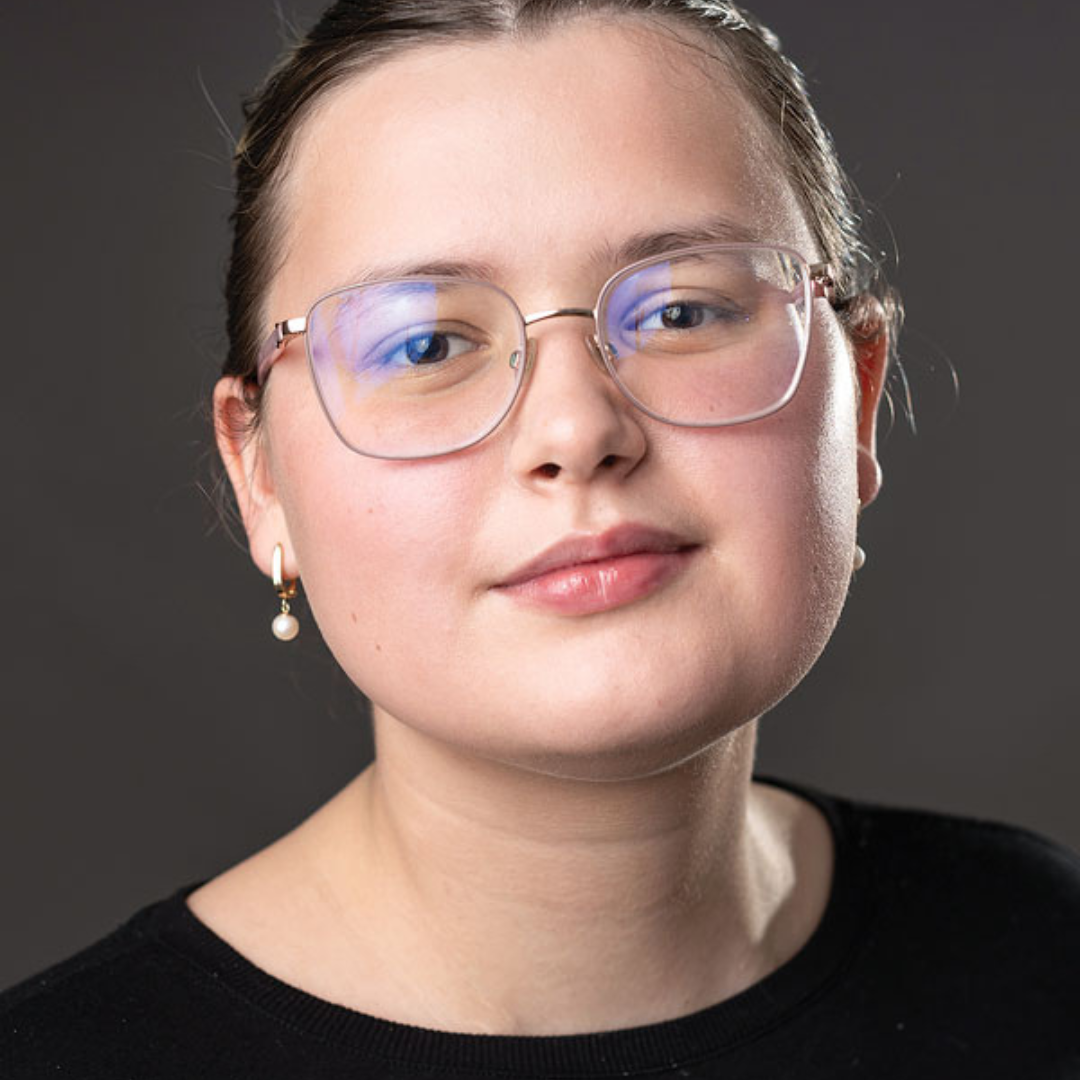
[588, 588]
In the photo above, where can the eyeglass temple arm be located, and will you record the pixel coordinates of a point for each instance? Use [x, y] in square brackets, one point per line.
[274, 345]
[822, 274]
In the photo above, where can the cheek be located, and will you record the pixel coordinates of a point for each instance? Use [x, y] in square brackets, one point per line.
[817, 500]
[377, 542]
[787, 491]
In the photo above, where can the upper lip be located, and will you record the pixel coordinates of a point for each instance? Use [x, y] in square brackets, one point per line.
[626, 539]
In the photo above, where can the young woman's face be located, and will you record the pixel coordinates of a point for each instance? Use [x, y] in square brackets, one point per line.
[531, 159]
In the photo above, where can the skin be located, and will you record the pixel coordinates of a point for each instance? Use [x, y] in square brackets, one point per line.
[588, 779]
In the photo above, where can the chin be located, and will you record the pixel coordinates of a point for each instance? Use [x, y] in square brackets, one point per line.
[622, 763]
[604, 733]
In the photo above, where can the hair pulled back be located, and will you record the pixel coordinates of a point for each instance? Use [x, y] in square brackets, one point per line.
[355, 35]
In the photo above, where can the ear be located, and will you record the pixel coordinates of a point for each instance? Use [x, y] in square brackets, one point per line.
[248, 468]
[869, 333]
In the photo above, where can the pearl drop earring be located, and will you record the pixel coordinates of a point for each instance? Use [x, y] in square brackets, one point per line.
[859, 561]
[285, 625]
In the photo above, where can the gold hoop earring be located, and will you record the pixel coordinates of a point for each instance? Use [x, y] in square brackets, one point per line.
[285, 625]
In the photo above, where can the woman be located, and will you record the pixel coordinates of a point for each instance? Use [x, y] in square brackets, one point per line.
[571, 477]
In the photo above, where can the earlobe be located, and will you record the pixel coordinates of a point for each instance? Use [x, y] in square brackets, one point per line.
[247, 466]
[870, 476]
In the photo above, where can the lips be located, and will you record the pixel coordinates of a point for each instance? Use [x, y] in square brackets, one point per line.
[584, 574]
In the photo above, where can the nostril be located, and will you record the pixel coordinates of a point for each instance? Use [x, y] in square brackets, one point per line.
[549, 470]
[608, 461]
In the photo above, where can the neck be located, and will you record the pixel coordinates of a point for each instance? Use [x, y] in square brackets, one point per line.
[522, 903]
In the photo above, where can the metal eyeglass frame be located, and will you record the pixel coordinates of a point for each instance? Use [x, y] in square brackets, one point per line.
[819, 281]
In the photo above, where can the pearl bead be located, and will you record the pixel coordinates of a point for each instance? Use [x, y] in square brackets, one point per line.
[285, 627]
[860, 557]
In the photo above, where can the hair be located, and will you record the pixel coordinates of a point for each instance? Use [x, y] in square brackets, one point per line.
[353, 36]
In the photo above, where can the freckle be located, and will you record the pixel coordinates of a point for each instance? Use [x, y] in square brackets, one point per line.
[378, 647]
[352, 615]
[371, 509]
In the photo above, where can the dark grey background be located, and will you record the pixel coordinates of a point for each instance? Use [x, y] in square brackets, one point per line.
[154, 732]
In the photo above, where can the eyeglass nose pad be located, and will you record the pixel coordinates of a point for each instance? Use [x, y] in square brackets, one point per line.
[597, 351]
[529, 357]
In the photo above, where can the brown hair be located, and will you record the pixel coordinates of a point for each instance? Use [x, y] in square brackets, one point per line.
[355, 35]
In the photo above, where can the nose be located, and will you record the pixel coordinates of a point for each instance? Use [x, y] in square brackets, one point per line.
[572, 422]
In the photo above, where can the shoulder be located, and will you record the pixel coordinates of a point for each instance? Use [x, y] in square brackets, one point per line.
[955, 892]
[979, 919]
[965, 938]
[93, 1014]
[925, 851]
[953, 946]
[923, 848]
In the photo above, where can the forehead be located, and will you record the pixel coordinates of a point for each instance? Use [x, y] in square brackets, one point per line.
[531, 157]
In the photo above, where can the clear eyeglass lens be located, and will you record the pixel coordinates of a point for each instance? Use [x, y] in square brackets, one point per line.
[415, 368]
[711, 338]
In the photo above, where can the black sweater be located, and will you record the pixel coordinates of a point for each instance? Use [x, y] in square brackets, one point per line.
[949, 948]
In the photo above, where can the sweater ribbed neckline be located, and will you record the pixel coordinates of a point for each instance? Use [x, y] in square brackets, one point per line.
[631, 1051]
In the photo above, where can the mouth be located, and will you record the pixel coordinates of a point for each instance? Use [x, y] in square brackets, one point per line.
[584, 574]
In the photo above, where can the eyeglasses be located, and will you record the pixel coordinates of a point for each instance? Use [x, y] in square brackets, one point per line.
[418, 367]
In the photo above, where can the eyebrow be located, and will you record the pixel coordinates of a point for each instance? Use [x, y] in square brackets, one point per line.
[712, 230]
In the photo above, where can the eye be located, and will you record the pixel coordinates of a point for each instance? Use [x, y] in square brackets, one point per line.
[417, 347]
[684, 315]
